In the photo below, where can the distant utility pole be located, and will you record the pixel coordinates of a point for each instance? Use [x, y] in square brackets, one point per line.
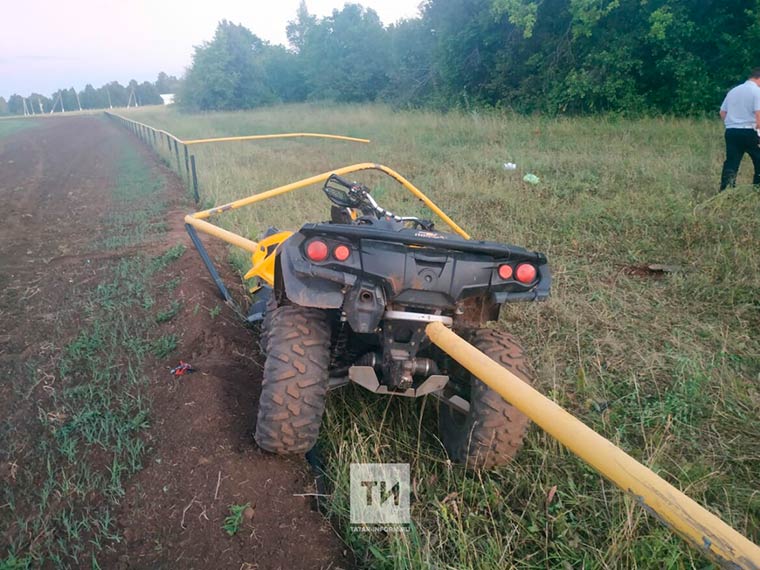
[77, 94]
[26, 111]
[52, 110]
[109, 98]
[39, 102]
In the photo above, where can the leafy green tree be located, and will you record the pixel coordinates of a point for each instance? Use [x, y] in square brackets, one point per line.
[36, 99]
[285, 74]
[298, 29]
[228, 72]
[412, 75]
[4, 106]
[16, 104]
[148, 94]
[167, 83]
[346, 55]
[91, 98]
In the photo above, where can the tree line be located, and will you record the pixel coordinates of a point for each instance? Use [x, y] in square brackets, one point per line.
[111, 94]
[553, 56]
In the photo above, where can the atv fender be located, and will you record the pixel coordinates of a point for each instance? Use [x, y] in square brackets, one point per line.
[310, 285]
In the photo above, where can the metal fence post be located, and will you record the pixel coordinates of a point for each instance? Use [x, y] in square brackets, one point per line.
[195, 179]
[176, 152]
[187, 164]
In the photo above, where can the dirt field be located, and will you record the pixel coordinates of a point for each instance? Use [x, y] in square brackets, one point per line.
[59, 186]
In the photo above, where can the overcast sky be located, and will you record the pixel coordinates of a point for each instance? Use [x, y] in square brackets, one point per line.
[48, 44]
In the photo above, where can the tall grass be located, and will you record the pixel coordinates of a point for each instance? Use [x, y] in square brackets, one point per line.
[667, 366]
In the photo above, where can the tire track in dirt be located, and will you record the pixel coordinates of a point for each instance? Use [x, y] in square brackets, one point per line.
[202, 457]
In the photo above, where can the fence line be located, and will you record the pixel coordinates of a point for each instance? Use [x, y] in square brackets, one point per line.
[155, 138]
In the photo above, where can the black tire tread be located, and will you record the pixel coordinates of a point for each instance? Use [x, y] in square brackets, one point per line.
[495, 429]
[295, 380]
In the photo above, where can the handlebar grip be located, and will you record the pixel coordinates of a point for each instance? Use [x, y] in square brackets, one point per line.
[341, 181]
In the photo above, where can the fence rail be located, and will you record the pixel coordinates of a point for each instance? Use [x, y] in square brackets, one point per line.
[157, 137]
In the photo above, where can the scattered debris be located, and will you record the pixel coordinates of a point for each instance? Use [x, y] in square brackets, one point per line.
[182, 369]
[662, 268]
[510, 166]
[531, 179]
[654, 270]
[550, 495]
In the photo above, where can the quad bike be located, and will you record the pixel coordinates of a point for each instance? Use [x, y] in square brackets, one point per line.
[348, 300]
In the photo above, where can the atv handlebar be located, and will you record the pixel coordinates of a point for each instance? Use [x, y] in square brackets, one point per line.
[358, 195]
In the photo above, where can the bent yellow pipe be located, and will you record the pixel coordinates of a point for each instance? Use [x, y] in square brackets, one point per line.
[243, 137]
[324, 176]
[222, 234]
[275, 136]
[702, 529]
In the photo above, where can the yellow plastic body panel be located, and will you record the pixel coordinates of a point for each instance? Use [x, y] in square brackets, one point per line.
[263, 258]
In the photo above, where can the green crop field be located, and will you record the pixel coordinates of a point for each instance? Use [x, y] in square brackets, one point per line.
[10, 126]
[665, 364]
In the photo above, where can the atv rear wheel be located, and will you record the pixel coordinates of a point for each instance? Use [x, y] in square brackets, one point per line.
[492, 432]
[295, 380]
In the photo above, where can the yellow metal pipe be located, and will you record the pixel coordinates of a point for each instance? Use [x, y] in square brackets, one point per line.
[702, 529]
[222, 234]
[308, 181]
[276, 136]
[324, 176]
[244, 137]
[427, 201]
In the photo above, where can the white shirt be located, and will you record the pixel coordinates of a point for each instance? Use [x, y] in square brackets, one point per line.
[740, 105]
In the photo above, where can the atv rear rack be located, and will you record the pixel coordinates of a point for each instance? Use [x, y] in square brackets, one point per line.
[197, 221]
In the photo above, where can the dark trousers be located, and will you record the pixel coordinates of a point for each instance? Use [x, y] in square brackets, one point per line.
[739, 141]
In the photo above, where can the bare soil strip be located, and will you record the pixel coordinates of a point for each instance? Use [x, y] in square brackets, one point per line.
[64, 229]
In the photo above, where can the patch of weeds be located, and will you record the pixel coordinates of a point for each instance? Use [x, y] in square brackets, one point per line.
[172, 284]
[169, 256]
[169, 313]
[164, 345]
[137, 216]
[215, 311]
[234, 521]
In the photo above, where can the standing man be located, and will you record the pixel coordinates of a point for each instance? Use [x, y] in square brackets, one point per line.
[740, 112]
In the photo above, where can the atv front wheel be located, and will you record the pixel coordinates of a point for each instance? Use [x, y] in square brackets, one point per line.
[492, 431]
[295, 380]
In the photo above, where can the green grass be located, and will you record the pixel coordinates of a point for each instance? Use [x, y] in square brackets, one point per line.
[135, 184]
[10, 126]
[89, 438]
[666, 368]
[234, 521]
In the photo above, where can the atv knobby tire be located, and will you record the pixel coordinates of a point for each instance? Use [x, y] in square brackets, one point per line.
[492, 432]
[295, 380]
[266, 325]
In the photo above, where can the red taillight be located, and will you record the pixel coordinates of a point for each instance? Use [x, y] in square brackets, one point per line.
[341, 252]
[317, 250]
[525, 273]
[505, 272]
